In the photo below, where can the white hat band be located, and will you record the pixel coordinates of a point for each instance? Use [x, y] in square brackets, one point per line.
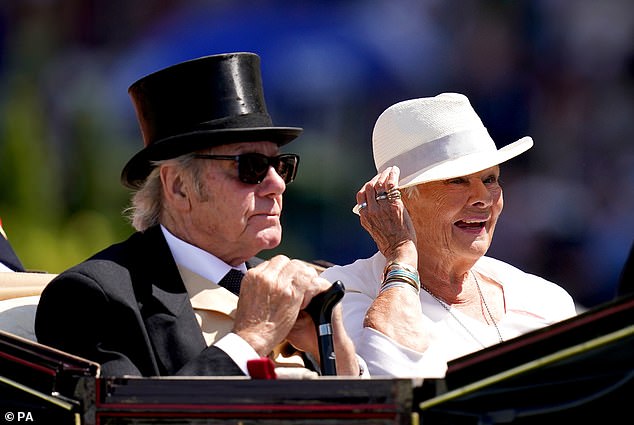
[446, 148]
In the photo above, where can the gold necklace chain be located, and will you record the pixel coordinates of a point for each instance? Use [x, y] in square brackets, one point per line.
[448, 309]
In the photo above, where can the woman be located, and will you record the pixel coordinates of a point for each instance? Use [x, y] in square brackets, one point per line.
[430, 294]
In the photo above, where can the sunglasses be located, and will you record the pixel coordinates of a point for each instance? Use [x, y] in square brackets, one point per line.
[253, 167]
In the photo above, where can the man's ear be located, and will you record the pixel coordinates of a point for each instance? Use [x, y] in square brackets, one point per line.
[175, 188]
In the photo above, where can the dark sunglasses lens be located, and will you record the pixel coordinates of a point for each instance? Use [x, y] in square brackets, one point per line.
[287, 167]
[253, 167]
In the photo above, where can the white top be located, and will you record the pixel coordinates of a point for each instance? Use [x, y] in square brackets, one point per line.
[531, 303]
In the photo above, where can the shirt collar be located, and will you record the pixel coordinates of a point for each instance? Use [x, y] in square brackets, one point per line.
[197, 260]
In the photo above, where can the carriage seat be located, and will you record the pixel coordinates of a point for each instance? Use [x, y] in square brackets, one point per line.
[19, 295]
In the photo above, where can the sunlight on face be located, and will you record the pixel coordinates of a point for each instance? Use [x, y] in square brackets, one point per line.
[457, 217]
[235, 219]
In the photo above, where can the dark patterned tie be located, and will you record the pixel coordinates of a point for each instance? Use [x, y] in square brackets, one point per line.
[231, 281]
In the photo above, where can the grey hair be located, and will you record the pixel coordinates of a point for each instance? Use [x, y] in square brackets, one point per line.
[147, 202]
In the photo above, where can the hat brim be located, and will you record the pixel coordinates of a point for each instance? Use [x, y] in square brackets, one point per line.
[467, 164]
[140, 165]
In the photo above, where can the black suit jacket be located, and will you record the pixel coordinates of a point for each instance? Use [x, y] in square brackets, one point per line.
[127, 309]
[8, 257]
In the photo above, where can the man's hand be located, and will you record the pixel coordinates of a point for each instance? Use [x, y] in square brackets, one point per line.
[270, 310]
[271, 297]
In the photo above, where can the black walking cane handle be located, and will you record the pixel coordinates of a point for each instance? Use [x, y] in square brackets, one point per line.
[320, 309]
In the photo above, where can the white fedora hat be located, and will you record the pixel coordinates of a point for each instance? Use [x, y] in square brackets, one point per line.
[437, 138]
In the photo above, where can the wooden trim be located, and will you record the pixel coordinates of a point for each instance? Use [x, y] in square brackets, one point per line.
[23, 284]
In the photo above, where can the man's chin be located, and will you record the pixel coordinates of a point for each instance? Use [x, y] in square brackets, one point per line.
[269, 239]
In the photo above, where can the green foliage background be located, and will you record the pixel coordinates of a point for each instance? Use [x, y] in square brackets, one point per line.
[560, 73]
[53, 225]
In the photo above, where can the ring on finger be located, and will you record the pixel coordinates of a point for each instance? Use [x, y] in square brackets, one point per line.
[393, 194]
[381, 196]
[357, 208]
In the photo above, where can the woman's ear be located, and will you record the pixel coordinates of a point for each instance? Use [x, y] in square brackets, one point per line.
[175, 189]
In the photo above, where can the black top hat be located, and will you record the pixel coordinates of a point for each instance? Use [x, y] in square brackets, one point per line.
[196, 104]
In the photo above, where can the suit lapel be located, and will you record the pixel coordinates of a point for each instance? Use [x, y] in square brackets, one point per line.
[172, 326]
[167, 312]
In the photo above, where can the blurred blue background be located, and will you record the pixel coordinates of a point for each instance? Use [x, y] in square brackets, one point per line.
[561, 71]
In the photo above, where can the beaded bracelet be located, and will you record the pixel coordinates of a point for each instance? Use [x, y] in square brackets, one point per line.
[397, 265]
[400, 273]
[402, 276]
[396, 284]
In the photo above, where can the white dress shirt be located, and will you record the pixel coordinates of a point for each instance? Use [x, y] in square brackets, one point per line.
[212, 268]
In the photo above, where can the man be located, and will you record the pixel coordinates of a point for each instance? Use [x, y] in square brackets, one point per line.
[208, 198]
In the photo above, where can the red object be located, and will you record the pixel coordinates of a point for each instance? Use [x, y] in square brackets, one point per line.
[262, 368]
